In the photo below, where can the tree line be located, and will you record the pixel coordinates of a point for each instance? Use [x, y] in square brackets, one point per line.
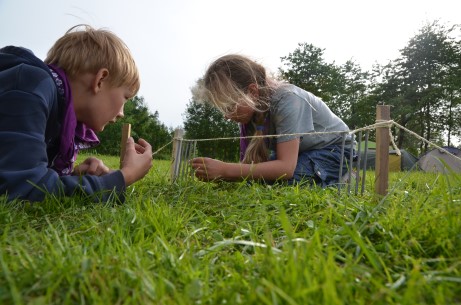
[422, 86]
[144, 124]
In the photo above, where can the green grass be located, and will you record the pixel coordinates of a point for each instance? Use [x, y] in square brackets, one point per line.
[234, 243]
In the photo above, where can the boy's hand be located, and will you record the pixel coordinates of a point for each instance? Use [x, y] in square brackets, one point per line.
[91, 166]
[137, 160]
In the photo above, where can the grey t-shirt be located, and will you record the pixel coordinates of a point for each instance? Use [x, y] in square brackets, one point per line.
[294, 110]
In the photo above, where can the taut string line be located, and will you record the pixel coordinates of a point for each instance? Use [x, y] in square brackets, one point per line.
[378, 124]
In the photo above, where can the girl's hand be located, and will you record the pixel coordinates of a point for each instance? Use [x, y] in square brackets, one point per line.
[91, 166]
[208, 169]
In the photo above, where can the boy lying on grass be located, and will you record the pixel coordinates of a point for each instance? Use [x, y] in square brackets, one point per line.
[51, 109]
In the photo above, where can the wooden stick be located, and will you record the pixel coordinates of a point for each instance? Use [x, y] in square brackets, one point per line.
[383, 113]
[357, 169]
[341, 162]
[365, 156]
[176, 153]
[126, 133]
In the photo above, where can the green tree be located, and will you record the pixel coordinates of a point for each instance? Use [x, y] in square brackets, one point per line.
[144, 125]
[451, 89]
[343, 88]
[423, 85]
[307, 69]
[202, 121]
[353, 87]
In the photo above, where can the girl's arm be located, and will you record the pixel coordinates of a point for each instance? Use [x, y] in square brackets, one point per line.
[281, 168]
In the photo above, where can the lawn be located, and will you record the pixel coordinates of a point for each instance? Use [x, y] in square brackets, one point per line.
[236, 243]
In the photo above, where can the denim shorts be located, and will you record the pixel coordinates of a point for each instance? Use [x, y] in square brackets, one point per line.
[320, 166]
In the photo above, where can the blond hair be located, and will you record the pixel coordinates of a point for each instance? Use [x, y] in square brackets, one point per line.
[84, 49]
[225, 85]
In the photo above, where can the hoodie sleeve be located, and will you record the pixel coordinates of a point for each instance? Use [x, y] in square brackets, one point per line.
[27, 100]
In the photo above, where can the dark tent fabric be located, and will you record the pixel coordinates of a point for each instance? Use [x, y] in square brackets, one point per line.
[406, 161]
[438, 161]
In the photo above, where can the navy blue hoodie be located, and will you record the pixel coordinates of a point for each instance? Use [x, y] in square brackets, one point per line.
[30, 124]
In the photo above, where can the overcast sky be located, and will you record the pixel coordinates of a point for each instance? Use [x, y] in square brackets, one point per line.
[173, 41]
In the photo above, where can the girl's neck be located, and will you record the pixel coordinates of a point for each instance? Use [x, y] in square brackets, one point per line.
[272, 84]
[259, 117]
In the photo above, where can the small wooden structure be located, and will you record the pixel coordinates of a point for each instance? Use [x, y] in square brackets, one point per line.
[383, 114]
[183, 150]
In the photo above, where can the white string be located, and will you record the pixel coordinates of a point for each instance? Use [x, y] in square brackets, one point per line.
[427, 141]
[378, 124]
[370, 127]
[161, 148]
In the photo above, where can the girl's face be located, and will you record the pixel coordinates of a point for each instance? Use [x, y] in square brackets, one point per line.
[242, 114]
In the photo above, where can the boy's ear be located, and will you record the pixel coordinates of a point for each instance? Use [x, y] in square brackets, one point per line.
[100, 78]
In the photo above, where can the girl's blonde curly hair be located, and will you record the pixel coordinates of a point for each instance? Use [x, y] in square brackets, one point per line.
[225, 86]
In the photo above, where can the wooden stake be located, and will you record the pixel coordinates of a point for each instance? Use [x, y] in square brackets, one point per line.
[383, 113]
[176, 154]
[126, 133]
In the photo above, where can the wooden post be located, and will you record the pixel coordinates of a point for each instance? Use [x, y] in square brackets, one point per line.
[176, 154]
[383, 113]
[126, 133]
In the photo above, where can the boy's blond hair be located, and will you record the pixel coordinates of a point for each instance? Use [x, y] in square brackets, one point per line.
[84, 49]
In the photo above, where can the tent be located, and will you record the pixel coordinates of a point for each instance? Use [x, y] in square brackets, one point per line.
[438, 161]
[402, 162]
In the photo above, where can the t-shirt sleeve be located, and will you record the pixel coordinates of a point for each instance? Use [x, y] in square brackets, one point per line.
[292, 115]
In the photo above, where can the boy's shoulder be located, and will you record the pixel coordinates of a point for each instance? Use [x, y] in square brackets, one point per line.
[11, 56]
[22, 73]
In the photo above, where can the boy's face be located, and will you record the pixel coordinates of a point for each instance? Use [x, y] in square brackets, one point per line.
[96, 102]
[108, 107]
[104, 107]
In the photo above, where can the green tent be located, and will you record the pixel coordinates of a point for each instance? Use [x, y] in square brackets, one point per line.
[404, 161]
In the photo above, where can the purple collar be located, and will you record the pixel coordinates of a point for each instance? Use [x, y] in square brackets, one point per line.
[74, 135]
[244, 132]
